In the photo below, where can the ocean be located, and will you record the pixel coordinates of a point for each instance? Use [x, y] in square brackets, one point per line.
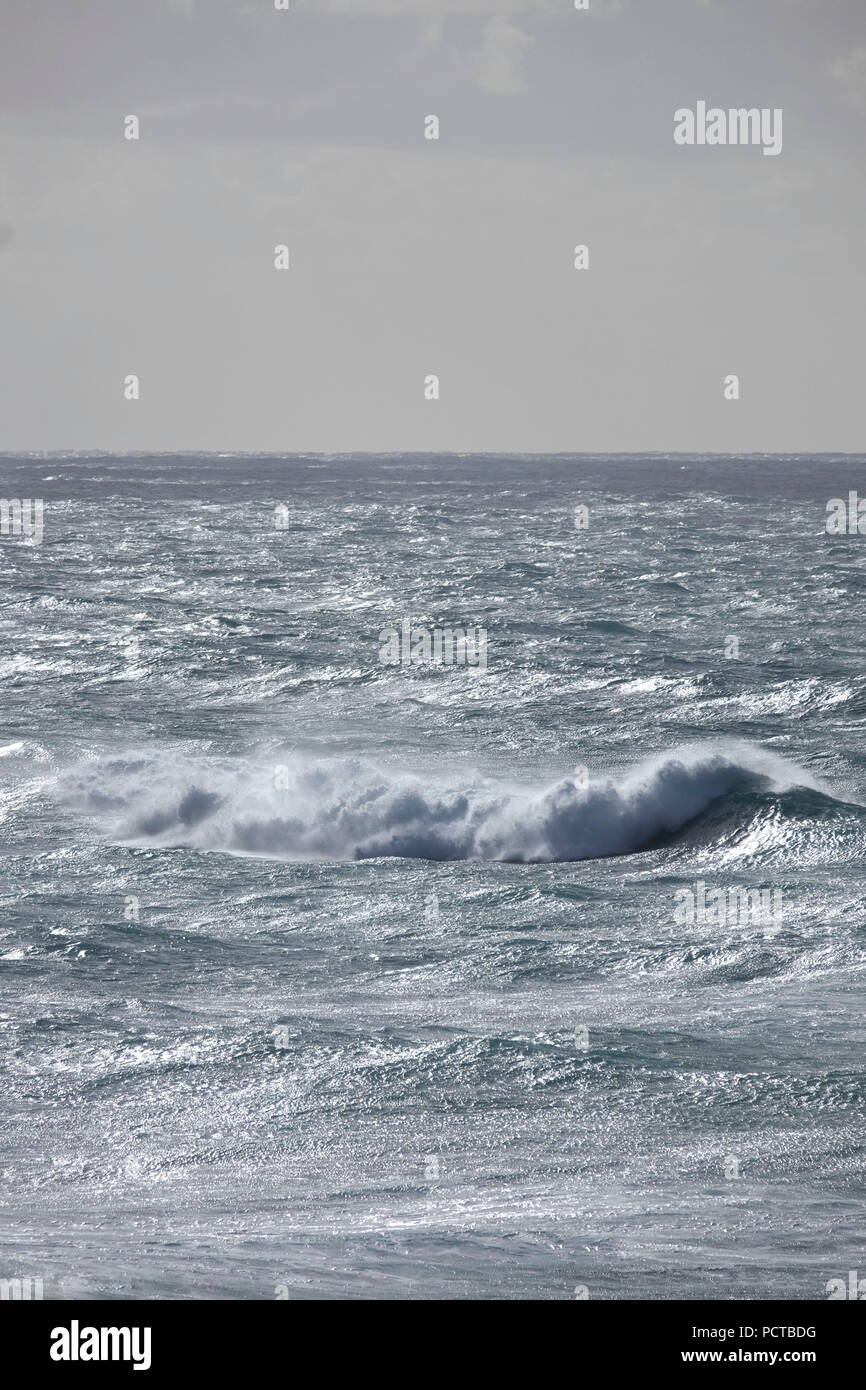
[326, 975]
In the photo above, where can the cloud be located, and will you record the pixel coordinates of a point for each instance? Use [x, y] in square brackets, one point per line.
[434, 27]
[501, 61]
[442, 8]
[849, 75]
[6, 234]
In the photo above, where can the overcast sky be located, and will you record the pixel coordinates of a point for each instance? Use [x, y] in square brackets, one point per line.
[411, 257]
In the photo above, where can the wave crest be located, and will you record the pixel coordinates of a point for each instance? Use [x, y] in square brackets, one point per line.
[352, 809]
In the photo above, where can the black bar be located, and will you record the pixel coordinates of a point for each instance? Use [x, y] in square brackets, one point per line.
[232, 1338]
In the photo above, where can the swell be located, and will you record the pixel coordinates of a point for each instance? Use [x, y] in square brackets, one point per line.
[353, 809]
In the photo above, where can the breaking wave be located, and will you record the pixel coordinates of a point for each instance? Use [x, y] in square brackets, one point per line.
[352, 809]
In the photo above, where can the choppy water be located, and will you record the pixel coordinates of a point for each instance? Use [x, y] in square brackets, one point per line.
[336, 977]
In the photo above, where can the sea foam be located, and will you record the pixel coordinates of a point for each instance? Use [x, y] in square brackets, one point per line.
[351, 808]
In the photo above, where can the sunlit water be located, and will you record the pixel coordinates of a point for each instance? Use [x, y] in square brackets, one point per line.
[324, 977]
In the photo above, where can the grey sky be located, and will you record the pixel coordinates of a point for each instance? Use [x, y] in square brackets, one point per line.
[412, 257]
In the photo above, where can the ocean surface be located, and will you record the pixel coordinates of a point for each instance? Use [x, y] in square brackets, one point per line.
[327, 978]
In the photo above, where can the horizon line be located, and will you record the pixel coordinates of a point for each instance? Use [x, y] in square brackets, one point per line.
[429, 453]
